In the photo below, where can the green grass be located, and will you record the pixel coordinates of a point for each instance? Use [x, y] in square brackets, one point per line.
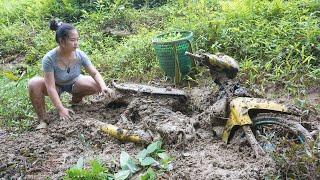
[15, 109]
[96, 171]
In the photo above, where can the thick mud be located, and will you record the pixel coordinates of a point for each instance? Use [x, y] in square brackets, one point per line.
[185, 125]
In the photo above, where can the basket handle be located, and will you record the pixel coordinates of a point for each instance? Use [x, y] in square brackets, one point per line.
[177, 76]
[193, 63]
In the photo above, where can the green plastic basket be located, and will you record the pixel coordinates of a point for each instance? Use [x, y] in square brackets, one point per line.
[171, 53]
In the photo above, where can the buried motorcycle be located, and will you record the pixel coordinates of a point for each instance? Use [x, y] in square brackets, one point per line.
[266, 124]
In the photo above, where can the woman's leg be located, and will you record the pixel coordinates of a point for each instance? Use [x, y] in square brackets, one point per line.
[85, 85]
[37, 93]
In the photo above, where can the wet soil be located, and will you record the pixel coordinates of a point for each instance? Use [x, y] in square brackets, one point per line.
[181, 123]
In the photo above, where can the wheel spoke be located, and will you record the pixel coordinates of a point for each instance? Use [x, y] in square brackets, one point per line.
[275, 134]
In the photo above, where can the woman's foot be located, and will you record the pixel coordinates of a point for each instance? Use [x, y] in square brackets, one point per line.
[42, 125]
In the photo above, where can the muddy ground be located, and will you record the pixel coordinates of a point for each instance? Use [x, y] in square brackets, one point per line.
[198, 152]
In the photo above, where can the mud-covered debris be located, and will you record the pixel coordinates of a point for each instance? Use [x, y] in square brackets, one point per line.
[41, 154]
[139, 88]
[157, 116]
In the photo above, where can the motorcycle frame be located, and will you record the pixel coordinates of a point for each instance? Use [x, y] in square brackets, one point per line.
[239, 112]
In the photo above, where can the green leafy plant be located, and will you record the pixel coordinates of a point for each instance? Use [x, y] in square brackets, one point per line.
[172, 36]
[96, 171]
[148, 175]
[152, 156]
[144, 163]
[128, 166]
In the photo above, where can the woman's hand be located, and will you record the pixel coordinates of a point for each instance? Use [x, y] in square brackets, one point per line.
[109, 93]
[64, 113]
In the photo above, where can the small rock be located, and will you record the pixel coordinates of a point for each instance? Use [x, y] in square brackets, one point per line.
[186, 154]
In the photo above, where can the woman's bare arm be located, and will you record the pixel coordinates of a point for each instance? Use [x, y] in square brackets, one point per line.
[94, 73]
[51, 89]
[53, 94]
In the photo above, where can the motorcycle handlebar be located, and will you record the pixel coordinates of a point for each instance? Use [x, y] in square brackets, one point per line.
[194, 56]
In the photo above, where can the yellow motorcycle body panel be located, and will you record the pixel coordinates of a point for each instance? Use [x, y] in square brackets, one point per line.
[239, 108]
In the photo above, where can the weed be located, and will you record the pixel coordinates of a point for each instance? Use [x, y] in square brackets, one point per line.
[152, 156]
[15, 109]
[297, 162]
[96, 171]
[144, 163]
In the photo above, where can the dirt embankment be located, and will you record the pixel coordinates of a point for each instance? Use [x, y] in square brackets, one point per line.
[198, 152]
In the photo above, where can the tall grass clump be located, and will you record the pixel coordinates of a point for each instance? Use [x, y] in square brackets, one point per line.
[297, 162]
[276, 38]
[15, 110]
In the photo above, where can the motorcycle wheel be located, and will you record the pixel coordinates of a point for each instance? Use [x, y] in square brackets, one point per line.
[278, 132]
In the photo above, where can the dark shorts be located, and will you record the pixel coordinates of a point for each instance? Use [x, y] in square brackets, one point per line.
[65, 88]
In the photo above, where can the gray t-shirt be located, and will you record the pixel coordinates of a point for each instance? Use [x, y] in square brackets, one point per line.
[62, 77]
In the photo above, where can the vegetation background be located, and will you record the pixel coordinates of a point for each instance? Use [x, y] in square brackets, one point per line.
[276, 42]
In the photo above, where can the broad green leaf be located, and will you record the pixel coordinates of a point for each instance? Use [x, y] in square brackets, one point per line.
[149, 175]
[127, 163]
[153, 147]
[148, 161]
[131, 165]
[124, 158]
[144, 176]
[163, 156]
[142, 154]
[122, 175]
[80, 163]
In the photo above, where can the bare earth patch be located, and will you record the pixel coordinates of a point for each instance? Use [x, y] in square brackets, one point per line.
[198, 152]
